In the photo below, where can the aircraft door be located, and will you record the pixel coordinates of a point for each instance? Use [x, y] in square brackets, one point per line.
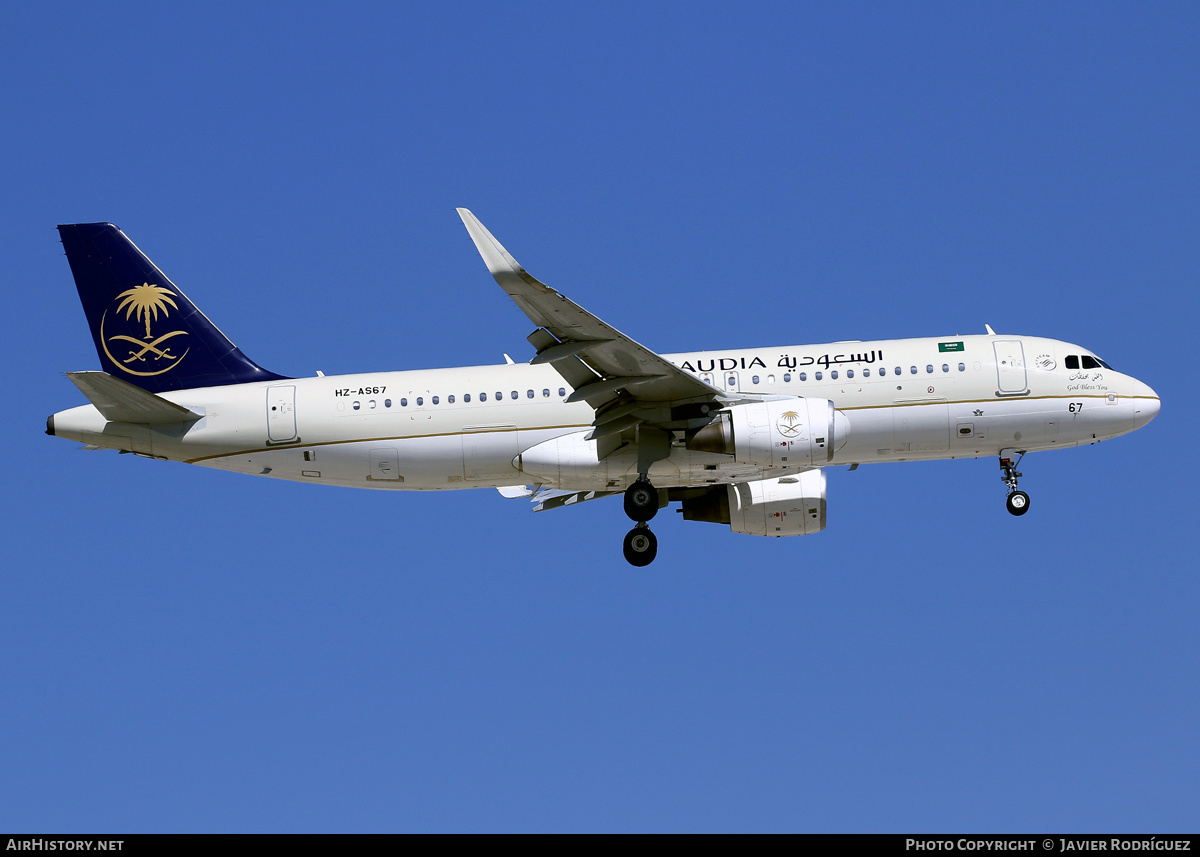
[730, 379]
[1010, 367]
[281, 413]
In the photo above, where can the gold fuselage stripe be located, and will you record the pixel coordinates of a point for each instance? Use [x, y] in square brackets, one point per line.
[386, 438]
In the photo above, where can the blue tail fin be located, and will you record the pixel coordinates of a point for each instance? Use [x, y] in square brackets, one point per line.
[146, 330]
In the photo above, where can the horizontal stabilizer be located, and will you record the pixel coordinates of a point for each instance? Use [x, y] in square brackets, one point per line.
[121, 402]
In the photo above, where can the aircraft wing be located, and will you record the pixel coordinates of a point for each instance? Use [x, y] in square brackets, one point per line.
[627, 383]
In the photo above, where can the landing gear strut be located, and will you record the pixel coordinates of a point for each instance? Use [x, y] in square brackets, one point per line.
[641, 504]
[1018, 501]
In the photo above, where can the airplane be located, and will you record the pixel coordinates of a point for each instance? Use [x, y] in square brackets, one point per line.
[736, 437]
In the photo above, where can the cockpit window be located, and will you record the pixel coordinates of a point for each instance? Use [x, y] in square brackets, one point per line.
[1087, 361]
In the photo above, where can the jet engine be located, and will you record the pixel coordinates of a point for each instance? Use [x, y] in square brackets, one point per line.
[790, 506]
[786, 432]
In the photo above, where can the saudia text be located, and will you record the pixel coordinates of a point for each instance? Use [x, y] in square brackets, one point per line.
[786, 361]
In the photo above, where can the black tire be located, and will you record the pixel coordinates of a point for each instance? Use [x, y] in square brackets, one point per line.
[1017, 503]
[641, 546]
[641, 501]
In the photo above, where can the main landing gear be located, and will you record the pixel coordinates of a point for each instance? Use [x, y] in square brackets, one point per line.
[1018, 501]
[641, 504]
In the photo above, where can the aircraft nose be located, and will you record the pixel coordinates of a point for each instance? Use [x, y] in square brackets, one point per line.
[1145, 404]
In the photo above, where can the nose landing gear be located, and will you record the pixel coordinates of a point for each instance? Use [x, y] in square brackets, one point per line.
[641, 504]
[1018, 501]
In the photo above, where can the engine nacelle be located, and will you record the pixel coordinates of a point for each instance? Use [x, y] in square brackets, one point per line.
[794, 506]
[788, 506]
[792, 432]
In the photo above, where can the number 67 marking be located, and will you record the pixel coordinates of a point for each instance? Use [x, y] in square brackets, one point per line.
[1075, 407]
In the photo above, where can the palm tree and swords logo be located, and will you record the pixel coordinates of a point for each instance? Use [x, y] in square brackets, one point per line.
[143, 304]
[789, 424]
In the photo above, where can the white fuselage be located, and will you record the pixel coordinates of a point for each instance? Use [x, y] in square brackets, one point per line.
[503, 425]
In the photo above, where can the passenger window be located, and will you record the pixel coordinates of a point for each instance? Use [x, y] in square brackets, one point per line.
[404, 403]
[483, 397]
[500, 396]
[545, 394]
[962, 367]
[371, 404]
[529, 395]
[356, 405]
[467, 398]
[899, 371]
[770, 379]
[787, 377]
[754, 380]
[515, 395]
[849, 373]
[866, 373]
[914, 370]
[420, 401]
[435, 400]
[562, 391]
[929, 368]
[449, 400]
[833, 374]
[1072, 361]
[817, 376]
[387, 403]
[803, 376]
[945, 367]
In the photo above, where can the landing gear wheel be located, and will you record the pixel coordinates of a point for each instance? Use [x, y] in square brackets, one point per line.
[641, 546]
[1017, 503]
[641, 501]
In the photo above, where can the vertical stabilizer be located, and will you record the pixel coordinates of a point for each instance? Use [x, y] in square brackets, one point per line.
[145, 329]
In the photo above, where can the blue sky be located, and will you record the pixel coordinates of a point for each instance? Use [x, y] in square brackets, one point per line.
[186, 650]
